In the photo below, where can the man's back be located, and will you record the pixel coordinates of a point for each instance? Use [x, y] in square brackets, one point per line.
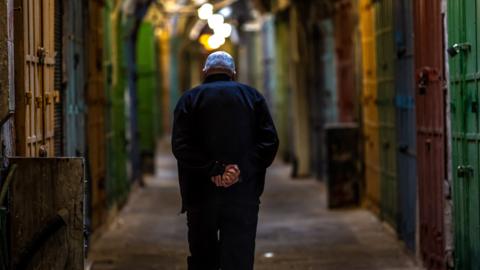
[227, 122]
[224, 119]
[224, 139]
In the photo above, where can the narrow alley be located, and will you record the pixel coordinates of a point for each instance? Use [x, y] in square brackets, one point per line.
[368, 108]
[295, 230]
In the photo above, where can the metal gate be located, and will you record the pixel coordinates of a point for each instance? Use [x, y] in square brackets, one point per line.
[405, 122]
[74, 78]
[369, 100]
[34, 77]
[386, 110]
[464, 68]
[430, 103]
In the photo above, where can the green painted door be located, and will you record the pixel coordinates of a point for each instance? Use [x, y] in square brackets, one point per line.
[117, 184]
[464, 67]
[282, 93]
[386, 109]
[147, 88]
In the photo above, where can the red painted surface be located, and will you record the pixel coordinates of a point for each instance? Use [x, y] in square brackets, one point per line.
[430, 104]
[345, 56]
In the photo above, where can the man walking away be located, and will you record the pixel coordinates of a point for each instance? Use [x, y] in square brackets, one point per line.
[224, 139]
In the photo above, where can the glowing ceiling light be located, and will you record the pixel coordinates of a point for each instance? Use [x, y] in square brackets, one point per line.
[216, 20]
[205, 11]
[215, 41]
[226, 11]
[224, 30]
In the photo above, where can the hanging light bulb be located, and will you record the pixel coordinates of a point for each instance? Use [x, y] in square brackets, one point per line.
[216, 20]
[226, 11]
[224, 30]
[215, 41]
[205, 11]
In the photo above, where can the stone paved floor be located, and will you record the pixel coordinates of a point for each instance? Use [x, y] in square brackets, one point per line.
[294, 226]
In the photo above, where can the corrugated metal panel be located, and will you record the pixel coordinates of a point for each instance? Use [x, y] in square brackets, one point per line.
[148, 91]
[386, 110]
[74, 78]
[405, 122]
[34, 70]
[463, 22]
[345, 61]
[370, 110]
[430, 102]
[95, 99]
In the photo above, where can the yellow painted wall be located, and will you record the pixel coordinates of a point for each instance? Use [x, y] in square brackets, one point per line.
[370, 113]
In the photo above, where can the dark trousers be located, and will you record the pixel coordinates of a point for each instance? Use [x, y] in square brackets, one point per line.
[222, 237]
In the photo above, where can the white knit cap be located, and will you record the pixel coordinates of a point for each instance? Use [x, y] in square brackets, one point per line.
[219, 60]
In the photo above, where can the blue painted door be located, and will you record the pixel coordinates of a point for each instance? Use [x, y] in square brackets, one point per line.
[405, 122]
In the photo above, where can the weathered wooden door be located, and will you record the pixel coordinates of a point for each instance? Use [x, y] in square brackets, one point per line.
[405, 122]
[95, 99]
[370, 110]
[464, 69]
[34, 77]
[386, 110]
[430, 110]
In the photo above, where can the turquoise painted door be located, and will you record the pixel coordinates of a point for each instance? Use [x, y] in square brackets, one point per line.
[384, 21]
[464, 69]
[75, 79]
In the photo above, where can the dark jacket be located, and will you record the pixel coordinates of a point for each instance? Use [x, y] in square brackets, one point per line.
[217, 123]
